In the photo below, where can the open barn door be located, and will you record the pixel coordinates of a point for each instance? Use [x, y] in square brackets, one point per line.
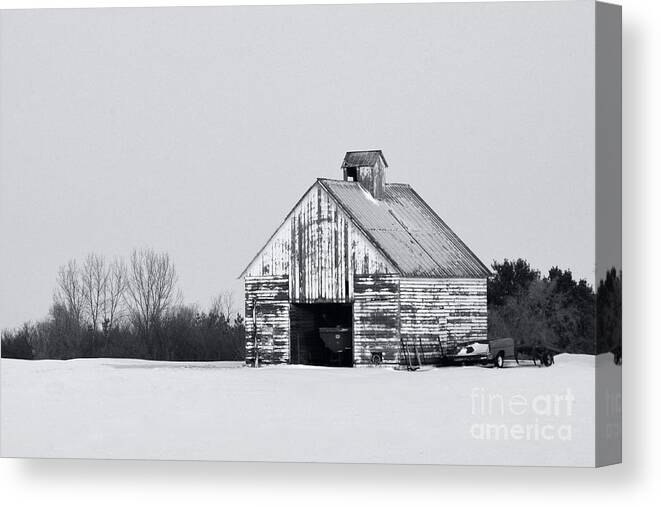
[321, 334]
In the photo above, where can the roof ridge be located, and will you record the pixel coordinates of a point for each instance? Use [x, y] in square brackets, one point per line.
[388, 184]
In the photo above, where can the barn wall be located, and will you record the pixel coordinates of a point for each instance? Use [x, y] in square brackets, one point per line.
[435, 310]
[270, 321]
[423, 318]
[320, 249]
[319, 264]
[376, 319]
[424, 314]
[465, 300]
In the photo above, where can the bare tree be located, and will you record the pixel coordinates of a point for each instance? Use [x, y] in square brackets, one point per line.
[69, 292]
[150, 290]
[113, 295]
[224, 304]
[94, 277]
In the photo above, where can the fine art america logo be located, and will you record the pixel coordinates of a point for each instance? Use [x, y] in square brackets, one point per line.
[521, 417]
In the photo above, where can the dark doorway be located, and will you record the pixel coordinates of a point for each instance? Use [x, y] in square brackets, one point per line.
[321, 334]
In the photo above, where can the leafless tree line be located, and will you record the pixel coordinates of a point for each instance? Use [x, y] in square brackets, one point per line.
[103, 294]
[128, 308]
[94, 293]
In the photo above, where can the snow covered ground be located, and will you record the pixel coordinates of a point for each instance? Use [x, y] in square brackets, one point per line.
[110, 408]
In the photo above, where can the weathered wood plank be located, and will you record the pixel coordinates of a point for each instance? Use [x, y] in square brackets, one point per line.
[376, 319]
[436, 311]
[267, 319]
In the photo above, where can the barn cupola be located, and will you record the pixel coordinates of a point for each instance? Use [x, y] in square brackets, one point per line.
[368, 168]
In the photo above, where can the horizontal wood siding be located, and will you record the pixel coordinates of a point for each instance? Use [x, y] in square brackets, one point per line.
[423, 318]
[269, 324]
[424, 314]
[465, 301]
[376, 318]
[434, 311]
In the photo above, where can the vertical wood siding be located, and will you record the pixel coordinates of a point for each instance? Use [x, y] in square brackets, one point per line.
[270, 295]
[274, 257]
[376, 318]
[320, 249]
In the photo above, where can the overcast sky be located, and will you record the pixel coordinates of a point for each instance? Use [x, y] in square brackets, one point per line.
[195, 130]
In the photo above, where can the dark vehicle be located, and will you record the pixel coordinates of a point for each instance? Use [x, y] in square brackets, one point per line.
[536, 353]
[497, 350]
[338, 344]
[484, 352]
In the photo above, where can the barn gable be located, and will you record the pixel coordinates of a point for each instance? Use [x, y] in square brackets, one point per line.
[398, 233]
[320, 248]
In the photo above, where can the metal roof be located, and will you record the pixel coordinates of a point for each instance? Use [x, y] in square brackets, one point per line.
[363, 158]
[407, 231]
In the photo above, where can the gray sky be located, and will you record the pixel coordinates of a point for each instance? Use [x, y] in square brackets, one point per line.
[195, 130]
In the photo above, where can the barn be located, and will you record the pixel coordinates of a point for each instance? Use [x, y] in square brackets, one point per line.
[362, 272]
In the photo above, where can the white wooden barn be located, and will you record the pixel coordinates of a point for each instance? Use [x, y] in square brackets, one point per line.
[362, 272]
